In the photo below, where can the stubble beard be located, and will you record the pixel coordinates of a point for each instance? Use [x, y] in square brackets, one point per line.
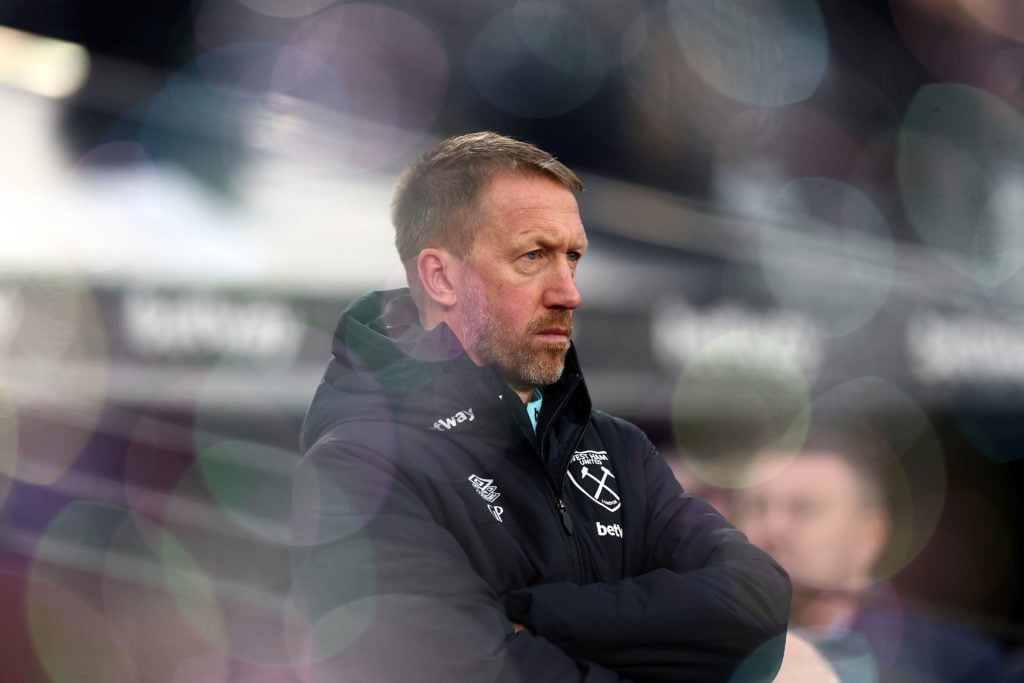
[525, 362]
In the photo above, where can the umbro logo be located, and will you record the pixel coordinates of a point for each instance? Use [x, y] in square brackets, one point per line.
[446, 423]
[489, 492]
[485, 487]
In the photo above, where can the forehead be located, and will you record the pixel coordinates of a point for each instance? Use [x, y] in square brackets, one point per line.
[815, 475]
[514, 204]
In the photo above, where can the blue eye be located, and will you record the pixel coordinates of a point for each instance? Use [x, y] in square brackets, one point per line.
[574, 255]
[533, 255]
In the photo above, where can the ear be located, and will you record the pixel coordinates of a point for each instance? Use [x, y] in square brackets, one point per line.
[438, 272]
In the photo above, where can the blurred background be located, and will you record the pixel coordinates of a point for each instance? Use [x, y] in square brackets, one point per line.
[797, 208]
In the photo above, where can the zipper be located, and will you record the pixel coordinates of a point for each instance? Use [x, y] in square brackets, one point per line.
[566, 519]
[555, 489]
[572, 545]
[570, 540]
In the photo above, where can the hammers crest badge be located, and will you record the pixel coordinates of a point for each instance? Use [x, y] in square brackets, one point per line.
[590, 473]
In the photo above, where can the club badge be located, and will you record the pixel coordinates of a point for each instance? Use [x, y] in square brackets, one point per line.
[590, 473]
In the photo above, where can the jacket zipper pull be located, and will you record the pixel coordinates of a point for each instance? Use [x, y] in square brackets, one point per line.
[566, 519]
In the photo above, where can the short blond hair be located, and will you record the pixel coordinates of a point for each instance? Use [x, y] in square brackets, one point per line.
[435, 200]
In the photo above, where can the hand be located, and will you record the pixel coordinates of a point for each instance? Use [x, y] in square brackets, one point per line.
[517, 627]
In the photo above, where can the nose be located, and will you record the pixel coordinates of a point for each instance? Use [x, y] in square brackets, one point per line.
[561, 291]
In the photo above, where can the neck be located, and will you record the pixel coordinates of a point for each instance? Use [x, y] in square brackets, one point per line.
[525, 395]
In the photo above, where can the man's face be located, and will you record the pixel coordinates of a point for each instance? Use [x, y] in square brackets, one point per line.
[810, 514]
[520, 285]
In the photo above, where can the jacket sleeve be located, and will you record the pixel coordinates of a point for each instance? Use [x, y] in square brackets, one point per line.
[389, 595]
[707, 605]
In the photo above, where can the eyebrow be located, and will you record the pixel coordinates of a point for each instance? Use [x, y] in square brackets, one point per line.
[543, 241]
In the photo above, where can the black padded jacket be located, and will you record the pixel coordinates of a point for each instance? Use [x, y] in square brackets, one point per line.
[430, 517]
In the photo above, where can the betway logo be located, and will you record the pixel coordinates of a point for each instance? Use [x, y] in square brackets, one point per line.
[446, 423]
[609, 530]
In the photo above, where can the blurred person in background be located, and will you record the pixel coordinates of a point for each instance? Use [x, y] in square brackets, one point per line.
[824, 514]
[467, 515]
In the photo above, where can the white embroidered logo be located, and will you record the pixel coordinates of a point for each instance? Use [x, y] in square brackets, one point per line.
[446, 423]
[497, 511]
[588, 472]
[485, 487]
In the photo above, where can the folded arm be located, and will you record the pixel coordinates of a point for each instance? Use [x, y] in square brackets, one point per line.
[708, 604]
[390, 595]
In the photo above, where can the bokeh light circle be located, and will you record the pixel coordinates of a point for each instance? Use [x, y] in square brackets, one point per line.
[58, 358]
[960, 166]
[912, 466]
[426, 654]
[73, 640]
[827, 252]
[393, 71]
[669, 103]
[737, 392]
[958, 40]
[221, 574]
[334, 620]
[152, 593]
[801, 662]
[1005, 18]
[72, 635]
[761, 52]
[249, 477]
[287, 8]
[252, 483]
[158, 454]
[194, 591]
[537, 60]
[8, 442]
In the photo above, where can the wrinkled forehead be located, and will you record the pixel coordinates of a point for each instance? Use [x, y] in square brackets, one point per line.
[519, 202]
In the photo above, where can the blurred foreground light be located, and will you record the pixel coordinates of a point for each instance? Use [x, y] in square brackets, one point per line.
[1001, 16]
[761, 52]
[251, 482]
[829, 253]
[194, 591]
[139, 602]
[286, 8]
[228, 584]
[961, 179]
[54, 376]
[956, 39]
[909, 457]
[72, 639]
[8, 443]
[40, 65]
[537, 60]
[374, 78]
[739, 391]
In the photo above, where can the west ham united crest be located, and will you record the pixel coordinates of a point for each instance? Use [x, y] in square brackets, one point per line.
[590, 473]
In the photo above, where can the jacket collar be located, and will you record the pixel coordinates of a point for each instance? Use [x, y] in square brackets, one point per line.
[381, 353]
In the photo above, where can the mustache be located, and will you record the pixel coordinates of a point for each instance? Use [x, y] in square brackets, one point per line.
[556, 319]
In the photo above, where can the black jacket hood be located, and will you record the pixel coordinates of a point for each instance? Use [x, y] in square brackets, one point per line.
[386, 366]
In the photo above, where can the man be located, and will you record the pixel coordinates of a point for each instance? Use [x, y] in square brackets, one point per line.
[822, 513]
[468, 516]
